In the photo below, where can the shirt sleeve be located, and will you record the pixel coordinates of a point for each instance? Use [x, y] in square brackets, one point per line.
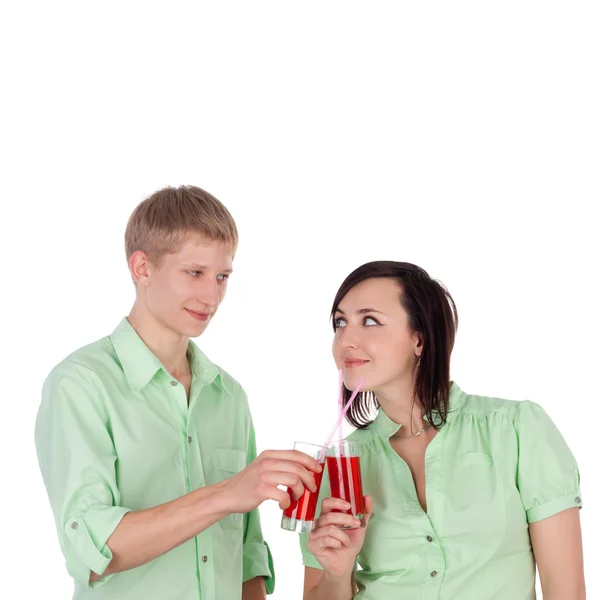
[547, 477]
[77, 460]
[258, 561]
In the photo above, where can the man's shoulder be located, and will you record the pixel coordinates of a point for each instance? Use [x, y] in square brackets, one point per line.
[88, 362]
[231, 385]
[227, 378]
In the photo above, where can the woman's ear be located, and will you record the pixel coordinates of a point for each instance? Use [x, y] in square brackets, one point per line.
[418, 344]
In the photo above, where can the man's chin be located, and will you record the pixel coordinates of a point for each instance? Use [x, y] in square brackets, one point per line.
[195, 330]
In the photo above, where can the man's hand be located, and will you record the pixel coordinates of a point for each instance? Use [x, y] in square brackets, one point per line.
[259, 480]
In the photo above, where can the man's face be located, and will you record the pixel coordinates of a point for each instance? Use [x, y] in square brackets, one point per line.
[184, 291]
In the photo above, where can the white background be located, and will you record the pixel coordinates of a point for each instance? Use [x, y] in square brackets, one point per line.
[463, 137]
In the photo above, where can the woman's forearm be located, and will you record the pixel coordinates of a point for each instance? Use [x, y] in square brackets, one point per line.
[332, 588]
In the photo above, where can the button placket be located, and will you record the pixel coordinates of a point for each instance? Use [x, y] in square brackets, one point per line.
[197, 412]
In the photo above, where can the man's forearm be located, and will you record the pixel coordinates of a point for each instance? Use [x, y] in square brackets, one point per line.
[144, 535]
[254, 589]
[333, 588]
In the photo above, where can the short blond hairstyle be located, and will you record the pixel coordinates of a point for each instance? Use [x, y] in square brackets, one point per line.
[160, 223]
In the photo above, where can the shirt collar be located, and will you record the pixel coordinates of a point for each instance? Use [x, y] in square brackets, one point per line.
[140, 365]
[385, 427]
[204, 369]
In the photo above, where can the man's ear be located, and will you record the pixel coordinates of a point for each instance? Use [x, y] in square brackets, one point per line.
[139, 267]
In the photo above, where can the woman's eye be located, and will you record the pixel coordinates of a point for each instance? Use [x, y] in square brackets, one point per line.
[370, 321]
[339, 323]
[194, 273]
[222, 277]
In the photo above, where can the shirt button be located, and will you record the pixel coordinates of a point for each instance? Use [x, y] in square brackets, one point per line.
[189, 439]
[433, 573]
[578, 500]
[205, 559]
[429, 538]
[74, 525]
[173, 383]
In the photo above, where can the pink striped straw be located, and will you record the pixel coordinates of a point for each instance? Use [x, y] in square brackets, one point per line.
[339, 421]
[340, 402]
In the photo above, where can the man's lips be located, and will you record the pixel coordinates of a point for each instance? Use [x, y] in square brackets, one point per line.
[351, 363]
[200, 316]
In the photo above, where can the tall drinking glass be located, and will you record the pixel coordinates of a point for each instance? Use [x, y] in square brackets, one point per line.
[345, 482]
[300, 515]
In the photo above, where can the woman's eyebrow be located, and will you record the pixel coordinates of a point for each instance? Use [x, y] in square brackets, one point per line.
[360, 311]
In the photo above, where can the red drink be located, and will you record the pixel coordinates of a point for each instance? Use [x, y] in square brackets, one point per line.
[345, 482]
[300, 515]
[305, 507]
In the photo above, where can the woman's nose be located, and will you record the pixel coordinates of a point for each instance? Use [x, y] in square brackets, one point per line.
[349, 339]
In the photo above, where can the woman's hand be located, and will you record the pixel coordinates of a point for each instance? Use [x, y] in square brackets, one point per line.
[336, 549]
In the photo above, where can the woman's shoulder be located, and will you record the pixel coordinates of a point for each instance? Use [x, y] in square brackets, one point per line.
[479, 405]
[361, 436]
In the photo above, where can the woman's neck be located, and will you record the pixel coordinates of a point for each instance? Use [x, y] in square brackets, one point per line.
[400, 405]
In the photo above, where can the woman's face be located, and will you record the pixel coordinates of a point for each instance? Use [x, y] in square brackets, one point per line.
[373, 338]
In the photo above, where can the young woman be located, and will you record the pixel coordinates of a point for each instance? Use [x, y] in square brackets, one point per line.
[465, 494]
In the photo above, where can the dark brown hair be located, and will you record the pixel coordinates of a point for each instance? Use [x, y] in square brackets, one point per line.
[431, 314]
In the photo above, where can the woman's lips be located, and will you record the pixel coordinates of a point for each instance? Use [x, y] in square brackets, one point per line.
[354, 362]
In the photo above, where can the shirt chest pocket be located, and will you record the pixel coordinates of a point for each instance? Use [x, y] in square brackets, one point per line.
[472, 481]
[228, 463]
[474, 495]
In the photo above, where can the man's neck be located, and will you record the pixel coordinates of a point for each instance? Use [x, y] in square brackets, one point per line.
[168, 346]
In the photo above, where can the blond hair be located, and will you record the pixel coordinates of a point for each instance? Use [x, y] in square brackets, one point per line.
[159, 224]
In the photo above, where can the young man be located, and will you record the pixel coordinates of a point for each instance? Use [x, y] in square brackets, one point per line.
[147, 448]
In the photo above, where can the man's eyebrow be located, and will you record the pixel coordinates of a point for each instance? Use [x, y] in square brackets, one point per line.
[199, 267]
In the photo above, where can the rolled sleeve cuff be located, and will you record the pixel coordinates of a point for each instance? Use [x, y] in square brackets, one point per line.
[308, 560]
[87, 536]
[553, 507]
[258, 562]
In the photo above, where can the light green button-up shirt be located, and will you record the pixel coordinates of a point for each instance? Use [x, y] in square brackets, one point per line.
[114, 433]
[494, 468]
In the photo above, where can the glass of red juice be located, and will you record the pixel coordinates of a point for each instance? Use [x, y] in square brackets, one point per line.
[300, 515]
[345, 482]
